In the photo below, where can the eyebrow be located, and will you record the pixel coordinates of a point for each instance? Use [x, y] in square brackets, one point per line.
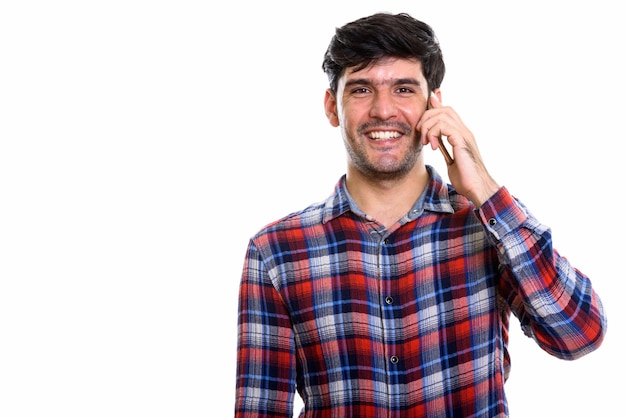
[393, 82]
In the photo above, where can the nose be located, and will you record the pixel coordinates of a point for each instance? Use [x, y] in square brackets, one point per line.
[383, 105]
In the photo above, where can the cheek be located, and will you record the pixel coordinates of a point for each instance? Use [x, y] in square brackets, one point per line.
[413, 117]
[352, 117]
[414, 111]
[343, 120]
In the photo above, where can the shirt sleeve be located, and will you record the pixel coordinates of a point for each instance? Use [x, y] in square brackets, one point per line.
[555, 303]
[265, 348]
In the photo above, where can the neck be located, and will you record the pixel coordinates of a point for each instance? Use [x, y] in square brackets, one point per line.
[387, 200]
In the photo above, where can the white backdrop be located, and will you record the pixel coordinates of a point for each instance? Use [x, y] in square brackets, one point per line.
[143, 142]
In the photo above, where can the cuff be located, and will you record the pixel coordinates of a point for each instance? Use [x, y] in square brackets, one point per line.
[501, 213]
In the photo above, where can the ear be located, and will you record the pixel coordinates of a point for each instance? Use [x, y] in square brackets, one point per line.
[330, 106]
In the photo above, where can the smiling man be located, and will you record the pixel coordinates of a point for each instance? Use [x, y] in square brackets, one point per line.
[392, 298]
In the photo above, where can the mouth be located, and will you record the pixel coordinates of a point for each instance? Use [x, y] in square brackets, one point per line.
[383, 135]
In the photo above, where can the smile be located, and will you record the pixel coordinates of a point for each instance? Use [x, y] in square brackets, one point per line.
[383, 135]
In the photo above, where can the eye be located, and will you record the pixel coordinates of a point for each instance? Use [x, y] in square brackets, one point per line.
[360, 91]
[405, 90]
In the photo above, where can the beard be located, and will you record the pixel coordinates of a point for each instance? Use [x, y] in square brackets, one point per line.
[383, 170]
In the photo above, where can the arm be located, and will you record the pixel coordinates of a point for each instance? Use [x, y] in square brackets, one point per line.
[265, 347]
[555, 302]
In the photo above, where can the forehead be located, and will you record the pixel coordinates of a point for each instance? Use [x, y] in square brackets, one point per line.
[385, 71]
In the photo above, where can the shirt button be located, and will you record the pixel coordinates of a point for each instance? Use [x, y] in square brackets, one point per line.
[386, 241]
[394, 359]
[389, 300]
[492, 221]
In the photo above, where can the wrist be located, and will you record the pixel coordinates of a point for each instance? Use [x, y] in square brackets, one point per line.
[485, 193]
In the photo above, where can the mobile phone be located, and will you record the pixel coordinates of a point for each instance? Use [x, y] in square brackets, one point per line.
[442, 147]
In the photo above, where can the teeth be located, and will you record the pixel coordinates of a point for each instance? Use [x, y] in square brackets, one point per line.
[384, 134]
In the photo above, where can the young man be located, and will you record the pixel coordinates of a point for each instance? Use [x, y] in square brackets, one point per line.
[392, 298]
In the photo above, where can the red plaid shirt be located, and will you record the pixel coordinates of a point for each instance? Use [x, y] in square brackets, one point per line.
[410, 321]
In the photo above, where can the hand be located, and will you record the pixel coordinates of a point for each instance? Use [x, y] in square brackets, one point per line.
[467, 173]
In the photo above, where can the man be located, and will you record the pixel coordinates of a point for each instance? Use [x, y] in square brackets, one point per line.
[392, 298]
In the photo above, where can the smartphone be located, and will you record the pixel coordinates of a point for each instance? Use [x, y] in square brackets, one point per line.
[442, 147]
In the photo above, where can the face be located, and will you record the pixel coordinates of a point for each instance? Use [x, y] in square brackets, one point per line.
[377, 109]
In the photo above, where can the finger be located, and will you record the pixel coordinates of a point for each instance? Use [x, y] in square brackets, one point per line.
[434, 101]
[428, 135]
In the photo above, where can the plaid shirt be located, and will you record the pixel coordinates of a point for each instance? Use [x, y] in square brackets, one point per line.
[410, 321]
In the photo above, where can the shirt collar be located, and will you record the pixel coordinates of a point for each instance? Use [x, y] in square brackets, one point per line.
[435, 198]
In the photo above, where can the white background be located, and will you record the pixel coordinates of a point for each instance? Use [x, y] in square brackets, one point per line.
[143, 142]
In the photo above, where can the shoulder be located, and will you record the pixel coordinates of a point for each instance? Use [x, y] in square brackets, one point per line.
[308, 220]
[292, 225]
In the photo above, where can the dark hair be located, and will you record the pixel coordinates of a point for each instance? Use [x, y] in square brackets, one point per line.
[369, 39]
